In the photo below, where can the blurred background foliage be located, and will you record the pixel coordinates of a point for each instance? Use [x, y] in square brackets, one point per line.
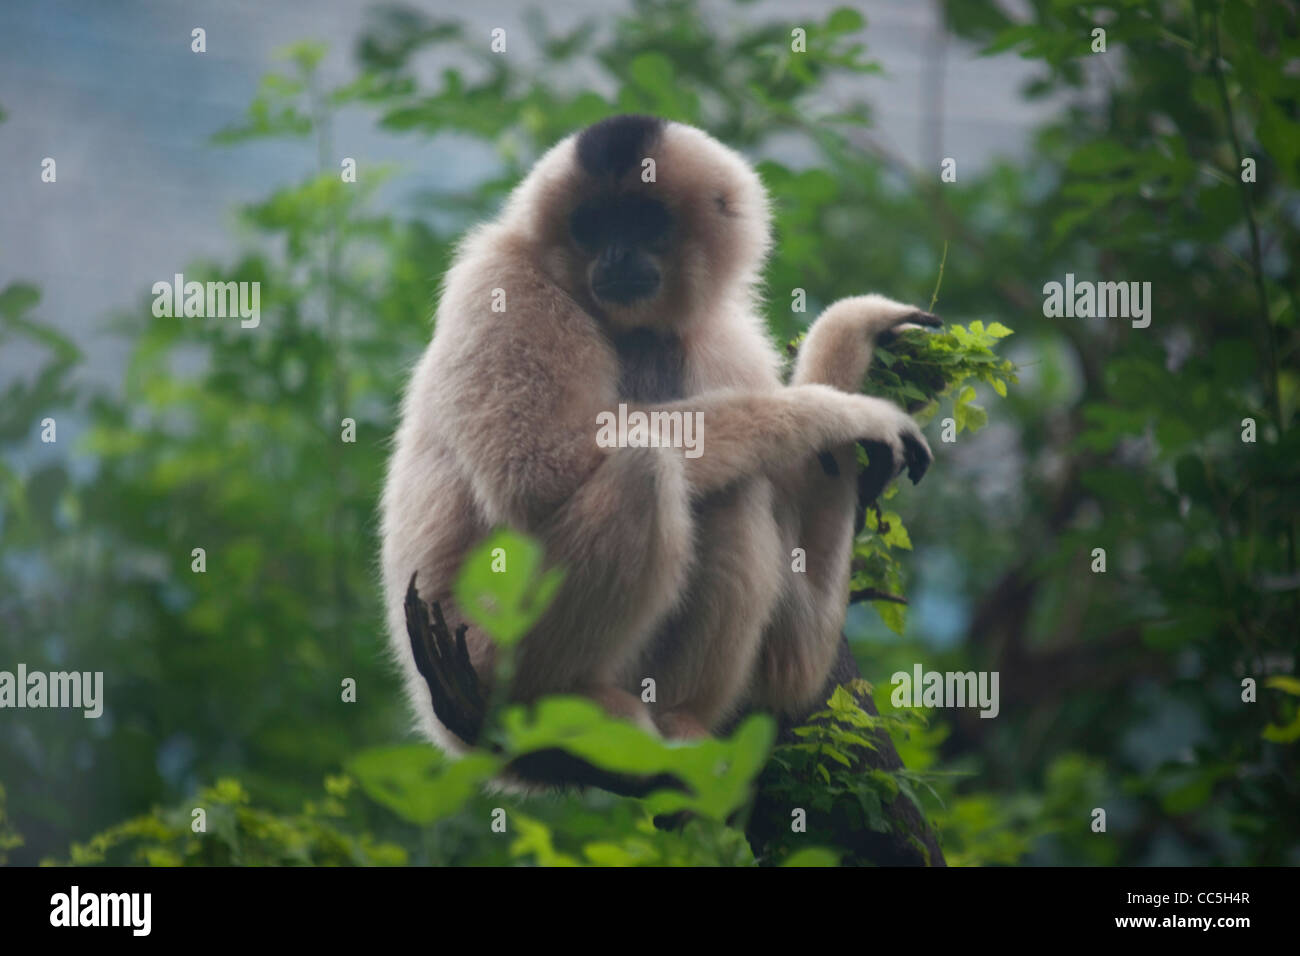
[1120, 690]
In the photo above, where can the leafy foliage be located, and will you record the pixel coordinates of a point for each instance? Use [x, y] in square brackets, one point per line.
[918, 371]
[236, 834]
[9, 838]
[921, 367]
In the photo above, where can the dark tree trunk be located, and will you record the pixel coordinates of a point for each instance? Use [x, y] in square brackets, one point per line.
[909, 830]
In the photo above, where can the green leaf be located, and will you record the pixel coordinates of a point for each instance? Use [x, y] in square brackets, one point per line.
[718, 772]
[896, 536]
[894, 615]
[845, 20]
[534, 837]
[1284, 683]
[503, 587]
[813, 856]
[1283, 735]
[418, 783]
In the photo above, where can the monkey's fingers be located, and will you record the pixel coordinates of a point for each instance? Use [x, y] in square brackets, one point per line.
[872, 480]
[913, 322]
[917, 457]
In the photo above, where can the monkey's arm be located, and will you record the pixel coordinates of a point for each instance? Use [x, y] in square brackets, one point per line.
[816, 512]
[521, 411]
[837, 350]
[747, 433]
[818, 497]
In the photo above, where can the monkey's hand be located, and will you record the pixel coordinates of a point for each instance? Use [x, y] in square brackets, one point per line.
[873, 479]
[893, 443]
[886, 460]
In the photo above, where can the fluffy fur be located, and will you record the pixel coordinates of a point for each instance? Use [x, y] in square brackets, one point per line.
[678, 568]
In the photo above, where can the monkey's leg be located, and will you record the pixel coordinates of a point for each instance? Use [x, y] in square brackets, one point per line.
[704, 655]
[818, 504]
[819, 495]
[624, 540]
[623, 704]
[816, 514]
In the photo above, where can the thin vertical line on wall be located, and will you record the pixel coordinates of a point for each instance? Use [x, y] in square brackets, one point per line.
[932, 89]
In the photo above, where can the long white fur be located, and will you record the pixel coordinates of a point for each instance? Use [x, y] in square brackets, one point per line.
[678, 568]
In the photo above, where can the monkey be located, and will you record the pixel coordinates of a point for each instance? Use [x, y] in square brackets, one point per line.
[625, 268]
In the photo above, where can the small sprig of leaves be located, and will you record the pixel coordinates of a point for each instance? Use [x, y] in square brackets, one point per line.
[917, 369]
[877, 571]
[327, 831]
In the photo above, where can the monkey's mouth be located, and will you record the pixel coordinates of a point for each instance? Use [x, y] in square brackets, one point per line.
[626, 289]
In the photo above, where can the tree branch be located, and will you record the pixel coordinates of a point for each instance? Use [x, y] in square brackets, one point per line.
[874, 594]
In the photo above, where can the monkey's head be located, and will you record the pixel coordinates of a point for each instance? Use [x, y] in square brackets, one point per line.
[646, 223]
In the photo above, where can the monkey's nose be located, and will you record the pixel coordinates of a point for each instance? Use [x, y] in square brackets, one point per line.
[613, 255]
[622, 276]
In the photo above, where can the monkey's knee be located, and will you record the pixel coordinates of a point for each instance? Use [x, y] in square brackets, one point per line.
[623, 705]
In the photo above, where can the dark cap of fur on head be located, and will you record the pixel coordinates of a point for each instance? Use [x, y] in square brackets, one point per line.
[614, 145]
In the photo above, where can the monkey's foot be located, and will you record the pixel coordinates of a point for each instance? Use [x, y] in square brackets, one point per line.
[442, 658]
[681, 725]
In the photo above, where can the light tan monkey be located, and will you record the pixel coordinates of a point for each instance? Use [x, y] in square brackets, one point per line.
[596, 288]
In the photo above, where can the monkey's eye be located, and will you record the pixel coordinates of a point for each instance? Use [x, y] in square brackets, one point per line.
[587, 227]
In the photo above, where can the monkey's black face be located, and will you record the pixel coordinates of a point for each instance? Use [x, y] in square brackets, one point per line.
[625, 239]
